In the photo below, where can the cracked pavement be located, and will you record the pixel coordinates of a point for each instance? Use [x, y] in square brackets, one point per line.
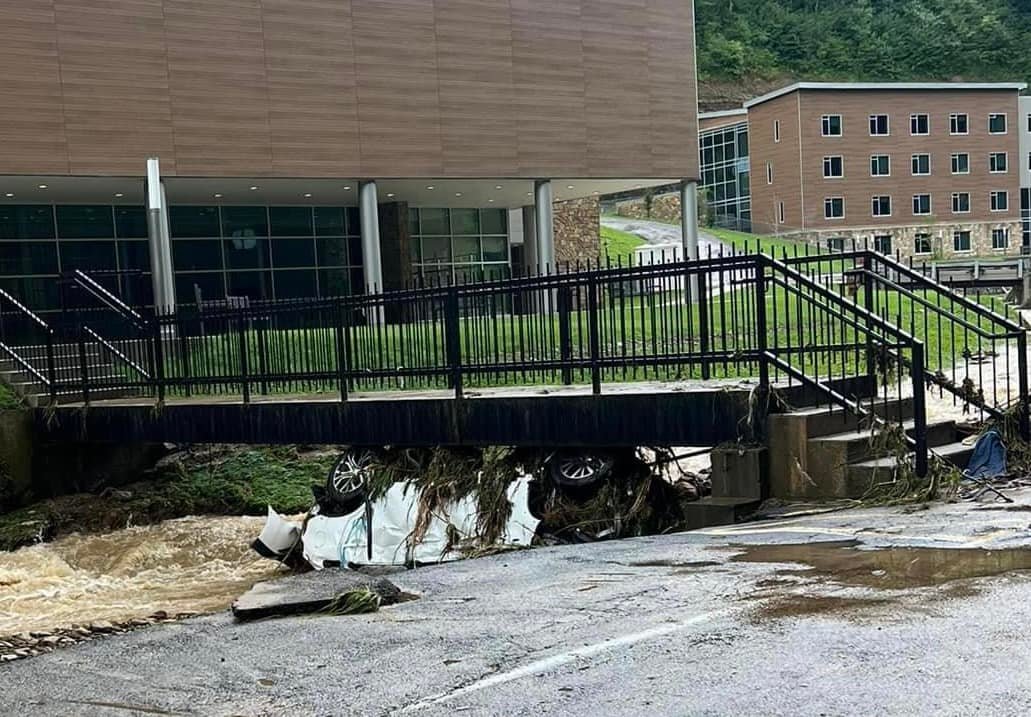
[693, 623]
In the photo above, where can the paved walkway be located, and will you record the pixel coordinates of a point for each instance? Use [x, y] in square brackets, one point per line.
[660, 233]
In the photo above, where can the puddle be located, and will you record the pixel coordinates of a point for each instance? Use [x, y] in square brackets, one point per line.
[802, 605]
[886, 568]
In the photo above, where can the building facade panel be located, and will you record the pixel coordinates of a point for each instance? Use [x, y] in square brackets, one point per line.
[32, 133]
[862, 182]
[312, 91]
[776, 183]
[320, 88]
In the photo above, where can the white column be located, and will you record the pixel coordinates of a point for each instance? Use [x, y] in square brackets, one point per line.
[158, 240]
[689, 228]
[372, 264]
[544, 225]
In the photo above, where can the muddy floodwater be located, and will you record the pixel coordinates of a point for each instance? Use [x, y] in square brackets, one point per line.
[190, 565]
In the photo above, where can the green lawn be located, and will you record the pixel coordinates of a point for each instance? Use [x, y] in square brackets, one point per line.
[617, 244]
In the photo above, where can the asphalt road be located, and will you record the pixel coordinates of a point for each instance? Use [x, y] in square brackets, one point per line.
[660, 233]
[668, 625]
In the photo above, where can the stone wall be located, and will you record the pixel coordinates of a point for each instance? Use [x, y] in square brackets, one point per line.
[664, 208]
[577, 231]
[903, 239]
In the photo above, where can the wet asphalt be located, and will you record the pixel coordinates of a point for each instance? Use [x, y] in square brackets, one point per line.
[744, 620]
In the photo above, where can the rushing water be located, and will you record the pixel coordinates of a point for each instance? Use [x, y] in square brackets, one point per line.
[197, 564]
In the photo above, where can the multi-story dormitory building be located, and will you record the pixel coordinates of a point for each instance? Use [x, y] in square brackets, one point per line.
[933, 169]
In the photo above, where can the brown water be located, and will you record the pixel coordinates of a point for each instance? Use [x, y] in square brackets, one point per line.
[189, 565]
[887, 568]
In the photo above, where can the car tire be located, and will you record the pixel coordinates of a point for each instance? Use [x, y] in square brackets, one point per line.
[579, 469]
[347, 481]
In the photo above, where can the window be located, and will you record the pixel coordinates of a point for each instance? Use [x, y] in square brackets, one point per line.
[833, 208]
[919, 124]
[996, 123]
[997, 162]
[780, 212]
[921, 204]
[831, 125]
[1029, 123]
[882, 243]
[1000, 238]
[1000, 201]
[961, 241]
[960, 202]
[921, 165]
[769, 173]
[881, 206]
[833, 168]
[776, 130]
[958, 124]
[878, 125]
[961, 163]
[880, 165]
[922, 243]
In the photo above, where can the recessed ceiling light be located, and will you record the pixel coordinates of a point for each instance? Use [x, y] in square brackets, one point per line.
[307, 195]
[9, 195]
[218, 196]
[529, 194]
[253, 188]
[490, 200]
[595, 191]
[458, 194]
[347, 188]
[497, 186]
[431, 187]
[42, 186]
[119, 195]
[569, 186]
[390, 194]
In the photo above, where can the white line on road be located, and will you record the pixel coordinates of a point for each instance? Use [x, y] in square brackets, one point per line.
[553, 662]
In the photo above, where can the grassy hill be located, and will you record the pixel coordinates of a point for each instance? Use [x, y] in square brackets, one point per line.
[748, 46]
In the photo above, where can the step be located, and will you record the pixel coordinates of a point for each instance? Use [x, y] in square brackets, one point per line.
[854, 446]
[711, 511]
[861, 477]
[822, 421]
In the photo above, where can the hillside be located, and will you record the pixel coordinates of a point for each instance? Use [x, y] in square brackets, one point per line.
[750, 46]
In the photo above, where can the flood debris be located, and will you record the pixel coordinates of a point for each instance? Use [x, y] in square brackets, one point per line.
[408, 507]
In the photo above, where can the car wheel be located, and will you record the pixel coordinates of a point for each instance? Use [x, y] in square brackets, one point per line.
[577, 469]
[348, 479]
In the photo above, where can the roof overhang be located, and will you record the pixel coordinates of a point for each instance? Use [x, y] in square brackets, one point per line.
[888, 86]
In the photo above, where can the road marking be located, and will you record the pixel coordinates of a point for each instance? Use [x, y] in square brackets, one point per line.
[553, 662]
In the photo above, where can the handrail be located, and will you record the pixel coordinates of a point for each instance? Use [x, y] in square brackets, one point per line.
[47, 381]
[972, 306]
[25, 310]
[87, 282]
[116, 352]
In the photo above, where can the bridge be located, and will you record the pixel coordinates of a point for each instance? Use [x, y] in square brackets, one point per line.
[679, 353]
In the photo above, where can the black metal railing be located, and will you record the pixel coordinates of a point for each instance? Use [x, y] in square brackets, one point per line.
[27, 346]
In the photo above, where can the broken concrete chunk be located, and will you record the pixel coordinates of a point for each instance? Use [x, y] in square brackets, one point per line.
[311, 592]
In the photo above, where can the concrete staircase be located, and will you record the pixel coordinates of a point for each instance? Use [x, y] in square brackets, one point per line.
[100, 366]
[739, 486]
[817, 453]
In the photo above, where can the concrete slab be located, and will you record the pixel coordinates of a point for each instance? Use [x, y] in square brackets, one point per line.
[310, 592]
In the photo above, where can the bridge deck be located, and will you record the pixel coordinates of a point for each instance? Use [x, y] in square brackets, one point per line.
[679, 413]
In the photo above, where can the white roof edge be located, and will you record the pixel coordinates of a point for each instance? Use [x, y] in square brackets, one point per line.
[722, 113]
[1014, 86]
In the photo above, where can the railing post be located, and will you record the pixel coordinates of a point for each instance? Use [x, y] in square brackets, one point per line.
[565, 333]
[245, 381]
[453, 340]
[592, 332]
[83, 365]
[703, 323]
[1024, 419]
[869, 305]
[159, 358]
[761, 328]
[919, 409]
[185, 359]
[263, 356]
[341, 349]
[51, 368]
